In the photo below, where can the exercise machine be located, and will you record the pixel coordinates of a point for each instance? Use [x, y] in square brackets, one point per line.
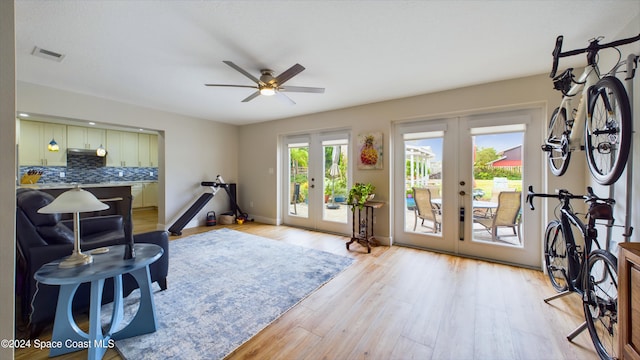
[217, 185]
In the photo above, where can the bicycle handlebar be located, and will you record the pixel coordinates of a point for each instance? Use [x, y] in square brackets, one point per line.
[565, 195]
[591, 50]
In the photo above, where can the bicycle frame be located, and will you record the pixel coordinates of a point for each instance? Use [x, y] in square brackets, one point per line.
[575, 258]
[587, 79]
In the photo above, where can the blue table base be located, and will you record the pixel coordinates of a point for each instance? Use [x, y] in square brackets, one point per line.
[71, 338]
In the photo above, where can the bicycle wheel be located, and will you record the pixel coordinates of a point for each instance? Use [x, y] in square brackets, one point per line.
[558, 143]
[608, 130]
[555, 256]
[601, 302]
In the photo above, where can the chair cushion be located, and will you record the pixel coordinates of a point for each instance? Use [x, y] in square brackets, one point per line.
[56, 234]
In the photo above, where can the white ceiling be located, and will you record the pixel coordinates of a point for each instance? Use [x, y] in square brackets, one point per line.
[159, 54]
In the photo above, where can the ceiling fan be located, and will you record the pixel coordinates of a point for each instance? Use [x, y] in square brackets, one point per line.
[269, 85]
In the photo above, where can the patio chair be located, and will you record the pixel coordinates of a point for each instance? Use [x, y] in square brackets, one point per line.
[426, 210]
[507, 214]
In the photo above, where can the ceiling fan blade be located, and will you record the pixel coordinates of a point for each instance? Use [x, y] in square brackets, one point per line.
[288, 74]
[240, 86]
[302, 89]
[285, 98]
[243, 72]
[252, 96]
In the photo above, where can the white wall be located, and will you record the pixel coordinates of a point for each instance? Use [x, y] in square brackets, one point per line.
[259, 142]
[191, 150]
[621, 189]
[7, 178]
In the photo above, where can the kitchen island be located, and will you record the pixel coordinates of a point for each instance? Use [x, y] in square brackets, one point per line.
[117, 196]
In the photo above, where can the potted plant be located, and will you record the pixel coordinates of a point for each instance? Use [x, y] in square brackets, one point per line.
[359, 194]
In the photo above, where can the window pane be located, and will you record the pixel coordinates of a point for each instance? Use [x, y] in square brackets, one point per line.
[423, 182]
[497, 187]
[335, 180]
[298, 179]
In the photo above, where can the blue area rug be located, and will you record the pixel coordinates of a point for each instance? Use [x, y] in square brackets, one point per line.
[224, 287]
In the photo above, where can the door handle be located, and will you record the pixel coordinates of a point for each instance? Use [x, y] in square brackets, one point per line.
[461, 225]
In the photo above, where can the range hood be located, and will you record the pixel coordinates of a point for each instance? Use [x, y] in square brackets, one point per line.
[84, 152]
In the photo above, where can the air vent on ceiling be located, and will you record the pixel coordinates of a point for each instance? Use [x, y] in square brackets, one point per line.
[47, 54]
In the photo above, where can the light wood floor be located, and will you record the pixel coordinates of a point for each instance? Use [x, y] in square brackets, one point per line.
[401, 303]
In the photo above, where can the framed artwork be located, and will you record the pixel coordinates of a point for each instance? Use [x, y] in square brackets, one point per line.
[370, 150]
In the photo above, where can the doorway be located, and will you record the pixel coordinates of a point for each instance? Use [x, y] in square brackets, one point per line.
[316, 174]
[462, 181]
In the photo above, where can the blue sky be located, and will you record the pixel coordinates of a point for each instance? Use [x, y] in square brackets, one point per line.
[496, 141]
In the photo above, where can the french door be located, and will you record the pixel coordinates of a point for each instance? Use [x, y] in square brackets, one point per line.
[460, 185]
[316, 180]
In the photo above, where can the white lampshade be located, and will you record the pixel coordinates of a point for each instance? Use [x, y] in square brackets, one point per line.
[267, 91]
[75, 200]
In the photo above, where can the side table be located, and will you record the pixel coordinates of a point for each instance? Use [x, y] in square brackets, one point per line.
[362, 230]
[67, 336]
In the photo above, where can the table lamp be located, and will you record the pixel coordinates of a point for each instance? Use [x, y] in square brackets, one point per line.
[75, 201]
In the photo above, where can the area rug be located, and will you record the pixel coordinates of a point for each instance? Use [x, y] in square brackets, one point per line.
[225, 286]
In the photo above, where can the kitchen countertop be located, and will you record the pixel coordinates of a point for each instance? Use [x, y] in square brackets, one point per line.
[72, 185]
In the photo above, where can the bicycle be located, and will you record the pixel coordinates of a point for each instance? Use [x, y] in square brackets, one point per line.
[607, 125]
[580, 268]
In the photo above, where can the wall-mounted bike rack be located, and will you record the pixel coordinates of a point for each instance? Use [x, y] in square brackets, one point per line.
[632, 65]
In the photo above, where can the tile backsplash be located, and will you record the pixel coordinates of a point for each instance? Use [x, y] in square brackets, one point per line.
[90, 170]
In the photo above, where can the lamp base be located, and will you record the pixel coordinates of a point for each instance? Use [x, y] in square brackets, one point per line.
[76, 259]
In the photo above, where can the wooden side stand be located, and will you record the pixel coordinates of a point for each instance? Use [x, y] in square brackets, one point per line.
[362, 230]
[629, 301]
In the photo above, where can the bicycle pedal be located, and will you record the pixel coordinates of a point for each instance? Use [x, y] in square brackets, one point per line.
[547, 148]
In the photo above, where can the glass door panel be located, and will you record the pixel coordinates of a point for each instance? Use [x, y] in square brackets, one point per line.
[298, 179]
[500, 153]
[335, 180]
[497, 188]
[425, 158]
[423, 183]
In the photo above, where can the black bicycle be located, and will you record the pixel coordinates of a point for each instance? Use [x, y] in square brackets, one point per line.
[579, 267]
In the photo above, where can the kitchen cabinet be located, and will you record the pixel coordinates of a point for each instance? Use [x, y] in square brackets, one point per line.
[143, 150]
[150, 194]
[136, 192]
[79, 137]
[122, 148]
[147, 150]
[34, 139]
[153, 150]
[144, 194]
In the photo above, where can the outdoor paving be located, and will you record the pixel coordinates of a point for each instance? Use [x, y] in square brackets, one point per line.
[342, 214]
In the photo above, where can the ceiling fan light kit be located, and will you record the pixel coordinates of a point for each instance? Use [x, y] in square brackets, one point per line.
[267, 91]
[269, 85]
